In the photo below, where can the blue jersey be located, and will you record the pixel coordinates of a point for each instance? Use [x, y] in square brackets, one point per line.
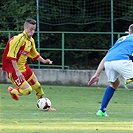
[122, 49]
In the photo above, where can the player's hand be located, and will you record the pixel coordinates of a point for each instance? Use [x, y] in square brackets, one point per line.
[20, 76]
[93, 80]
[49, 61]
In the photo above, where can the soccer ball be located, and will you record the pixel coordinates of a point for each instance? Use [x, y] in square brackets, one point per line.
[43, 104]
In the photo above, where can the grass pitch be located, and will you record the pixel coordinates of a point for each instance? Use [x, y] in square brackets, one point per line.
[75, 111]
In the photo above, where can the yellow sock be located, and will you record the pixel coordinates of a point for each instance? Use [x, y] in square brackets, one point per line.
[15, 91]
[38, 89]
[26, 91]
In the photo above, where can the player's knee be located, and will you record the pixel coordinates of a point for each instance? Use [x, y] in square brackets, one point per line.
[36, 85]
[26, 91]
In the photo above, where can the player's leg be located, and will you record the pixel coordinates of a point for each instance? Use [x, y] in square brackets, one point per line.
[113, 70]
[109, 92]
[128, 81]
[23, 87]
[36, 86]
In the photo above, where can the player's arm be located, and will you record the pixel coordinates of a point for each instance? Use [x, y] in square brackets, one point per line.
[18, 73]
[36, 56]
[47, 61]
[95, 78]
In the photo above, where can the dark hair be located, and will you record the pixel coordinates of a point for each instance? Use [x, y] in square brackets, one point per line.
[30, 21]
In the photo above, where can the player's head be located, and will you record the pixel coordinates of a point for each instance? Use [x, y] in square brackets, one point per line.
[30, 27]
[130, 29]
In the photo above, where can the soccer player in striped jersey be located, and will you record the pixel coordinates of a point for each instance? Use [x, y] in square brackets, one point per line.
[14, 61]
[117, 62]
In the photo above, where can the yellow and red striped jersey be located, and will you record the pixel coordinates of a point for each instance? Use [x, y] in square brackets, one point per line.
[19, 48]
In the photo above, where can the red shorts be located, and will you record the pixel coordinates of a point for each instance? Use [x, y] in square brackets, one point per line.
[28, 75]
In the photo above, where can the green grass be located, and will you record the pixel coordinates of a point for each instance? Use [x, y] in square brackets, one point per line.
[75, 112]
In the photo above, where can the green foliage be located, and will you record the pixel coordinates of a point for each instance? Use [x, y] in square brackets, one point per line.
[13, 13]
[68, 15]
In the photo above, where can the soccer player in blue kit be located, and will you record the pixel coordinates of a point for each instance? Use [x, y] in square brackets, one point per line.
[117, 62]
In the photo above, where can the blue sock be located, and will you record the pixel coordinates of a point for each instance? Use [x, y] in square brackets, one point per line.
[108, 94]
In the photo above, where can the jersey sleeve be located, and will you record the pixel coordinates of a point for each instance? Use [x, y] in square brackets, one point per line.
[14, 47]
[33, 54]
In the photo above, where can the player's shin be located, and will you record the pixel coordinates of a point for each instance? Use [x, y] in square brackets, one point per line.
[108, 94]
[26, 91]
[38, 89]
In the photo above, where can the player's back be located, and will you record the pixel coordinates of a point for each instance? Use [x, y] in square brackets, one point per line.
[122, 49]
